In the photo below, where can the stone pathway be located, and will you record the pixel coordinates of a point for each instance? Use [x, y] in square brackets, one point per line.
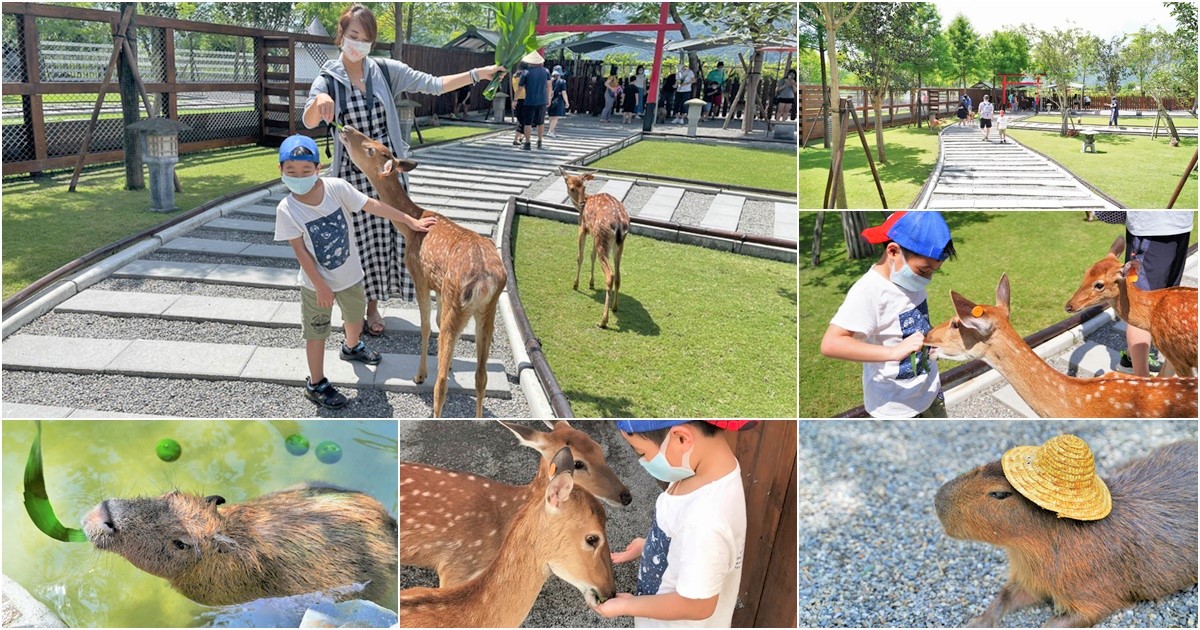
[991, 175]
[1098, 353]
[1102, 127]
[229, 278]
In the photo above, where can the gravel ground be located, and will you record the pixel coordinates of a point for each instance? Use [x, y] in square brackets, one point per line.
[223, 259]
[872, 552]
[637, 197]
[758, 217]
[487, 449]
[152, 285]
[256, 238]
[692, 208]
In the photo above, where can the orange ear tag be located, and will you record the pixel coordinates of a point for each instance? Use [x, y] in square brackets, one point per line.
[1133, 278]
[553, 468]
[977, 311]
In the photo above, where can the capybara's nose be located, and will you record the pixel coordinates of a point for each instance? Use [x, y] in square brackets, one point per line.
[100, 516]
[626, 498]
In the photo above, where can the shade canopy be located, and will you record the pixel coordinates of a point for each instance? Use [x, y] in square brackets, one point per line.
[602, 41]
[721, 41]
[475, 39]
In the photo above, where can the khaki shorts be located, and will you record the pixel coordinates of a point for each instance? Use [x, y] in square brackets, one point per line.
[936, 410]
[315, 320]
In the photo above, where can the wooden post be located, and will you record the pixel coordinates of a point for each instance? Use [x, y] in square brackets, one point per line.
[870, 161]
[134, 178]
[817, 230]
[91, 128]
[168, 34]
[260, 77]
[33, 104]
[1182, 180]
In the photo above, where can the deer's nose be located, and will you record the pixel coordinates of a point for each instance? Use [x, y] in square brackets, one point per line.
[626, 498]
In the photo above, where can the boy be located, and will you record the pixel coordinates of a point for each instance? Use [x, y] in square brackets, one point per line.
[1002, 126]
[883, 321]
[313, 221]
[691, 561]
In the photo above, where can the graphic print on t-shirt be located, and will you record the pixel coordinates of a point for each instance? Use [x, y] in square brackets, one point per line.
[330, 239]
[914, 321]
[654, 560]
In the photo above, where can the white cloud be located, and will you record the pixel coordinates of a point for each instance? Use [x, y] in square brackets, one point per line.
[1099, 19]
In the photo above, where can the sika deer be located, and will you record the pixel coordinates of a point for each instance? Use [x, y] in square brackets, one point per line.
[556, 530]
[605, 218]
[446, 511]
[983, 332]
[462, 266]
[1169, 314]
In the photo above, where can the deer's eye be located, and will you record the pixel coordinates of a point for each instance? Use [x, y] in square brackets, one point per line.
[593, 540]
[580, 465]
[371, 151]
[954, 324]
[1099, 286]
[179, 544]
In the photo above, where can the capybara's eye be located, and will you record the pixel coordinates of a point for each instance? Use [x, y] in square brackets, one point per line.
[593, 540]
[179, 544]
[580, 465]
[999, 494]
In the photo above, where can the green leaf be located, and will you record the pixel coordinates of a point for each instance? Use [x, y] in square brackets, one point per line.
[37, 503]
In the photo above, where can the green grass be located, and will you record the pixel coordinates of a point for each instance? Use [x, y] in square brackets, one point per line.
[45, 226]
[1125, 121]
[1044, 253]
[700, 333]
[1135, 170]
[718, 164]
[911, 154]
[448, 132]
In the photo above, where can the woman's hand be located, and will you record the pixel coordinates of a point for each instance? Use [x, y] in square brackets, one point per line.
[488, 72]
[324, 105]
[423, 225]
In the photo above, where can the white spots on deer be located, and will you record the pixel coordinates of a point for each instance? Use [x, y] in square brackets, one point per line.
[409, 521]
[470, 477]
[504, 504]
[409, 480]
[487, 485]
[452, 474]
[492, 533]
[477, 543]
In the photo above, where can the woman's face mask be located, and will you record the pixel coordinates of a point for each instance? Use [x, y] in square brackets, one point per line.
[355, 50]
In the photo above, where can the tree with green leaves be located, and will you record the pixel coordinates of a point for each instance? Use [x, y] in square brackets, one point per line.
[835, 15]
[1110, 64]
[1185, 36]
[1139, 57]
[1005, 52]
[1168, 67]
[1088, 60]
[927, 49]
[1056, 54]
[810, 17]
[880, 38]
[964, 48]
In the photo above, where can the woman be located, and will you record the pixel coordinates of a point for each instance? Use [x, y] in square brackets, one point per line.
[639, 82]
[558, 99]
[785, 96]
[518, 91]
[354, 90]
[612, 87]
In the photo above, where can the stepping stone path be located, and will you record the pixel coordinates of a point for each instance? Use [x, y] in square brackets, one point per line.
[1003, 176]
[229, 258]
[1102, 127]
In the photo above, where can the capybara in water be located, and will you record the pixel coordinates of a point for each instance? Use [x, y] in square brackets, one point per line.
[306, 538]
[1143, 550]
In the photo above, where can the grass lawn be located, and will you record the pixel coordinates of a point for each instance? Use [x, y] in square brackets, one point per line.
[446, 131]
[1137, 171]
[1125, 121]
[911, 154]
[700, 333]
[1044, 253]
[736, 166]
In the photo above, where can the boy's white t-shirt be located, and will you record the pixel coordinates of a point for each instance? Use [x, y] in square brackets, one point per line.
[1002, 122]
[327, 231]
[695, 548]
[885, 314]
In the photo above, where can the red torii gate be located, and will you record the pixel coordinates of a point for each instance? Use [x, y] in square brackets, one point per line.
[1004, 83]
[543, 26]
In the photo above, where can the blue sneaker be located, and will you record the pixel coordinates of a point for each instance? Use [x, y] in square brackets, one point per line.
[324, 394]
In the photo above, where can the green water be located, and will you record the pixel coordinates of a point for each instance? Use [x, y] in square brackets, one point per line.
[89, 461]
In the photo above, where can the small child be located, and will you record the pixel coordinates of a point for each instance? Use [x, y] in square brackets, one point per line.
[884, 318]
[1002, 126]
[628, 101]
[691, 560]
[712, 101]
[313, 221]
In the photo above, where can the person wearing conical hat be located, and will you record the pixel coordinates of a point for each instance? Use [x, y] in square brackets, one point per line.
[536, 82]
[690, 562]
[883, 321]
[1059, 476]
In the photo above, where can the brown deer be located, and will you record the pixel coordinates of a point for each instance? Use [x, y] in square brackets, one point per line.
[1168, 314]
[557, 529]
[983, 332]
[463, 267]
[605, 218]
[446, 511]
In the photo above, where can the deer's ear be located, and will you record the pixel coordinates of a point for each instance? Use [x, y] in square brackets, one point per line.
[970, 314]
[526, 436]
[1131, 268]
[386, 171]
[1002, 292]
[559, 490]
[589, 177]
[1118, 246]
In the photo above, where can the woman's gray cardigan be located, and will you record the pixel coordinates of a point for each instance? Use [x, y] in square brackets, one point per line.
[403, 79]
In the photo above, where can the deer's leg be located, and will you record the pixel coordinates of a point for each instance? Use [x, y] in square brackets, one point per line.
[592, 277]
[606, 267]
[485, 321]
[579, 258]
[452, 321]
[618, 249]
[423, 303]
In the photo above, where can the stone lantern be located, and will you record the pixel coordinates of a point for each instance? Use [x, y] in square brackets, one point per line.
[498, 106]
[406, 109]
[693, 106]
[160, 152]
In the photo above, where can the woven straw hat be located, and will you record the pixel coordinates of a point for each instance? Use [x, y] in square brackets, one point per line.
[1059, 476]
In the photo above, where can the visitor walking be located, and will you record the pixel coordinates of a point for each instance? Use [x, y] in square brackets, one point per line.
[1112, 117]
[684, 80]
[970, 113]
[558, 100]
[629, 101]
[1002, 126]
[785, 96]
[667, 95]
[639, 84]
[962, 111]
[360, 91]
[519, 105]
[985, 116]
[537, 95]
[612, 89]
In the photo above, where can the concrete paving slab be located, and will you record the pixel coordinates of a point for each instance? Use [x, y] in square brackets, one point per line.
[618, 188]
[289, 366]
[1093, 359]
[61, 354]
[662, 203]
[396, 372]
[203, 246]
[556, 193]
[724, 212]
[22, 411]
[1009, 397]
[165, 269]
[242, 225]
[267, 277]
[258, 210]
[787, 222]
[224, 309]
[270, 251]
[180, 359]
[118, 303]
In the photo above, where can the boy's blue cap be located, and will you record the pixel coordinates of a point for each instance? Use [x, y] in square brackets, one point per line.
[924, 233]
[641, 426]
[299, 147]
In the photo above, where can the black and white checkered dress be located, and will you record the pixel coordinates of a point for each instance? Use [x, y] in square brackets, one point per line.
[380, 244]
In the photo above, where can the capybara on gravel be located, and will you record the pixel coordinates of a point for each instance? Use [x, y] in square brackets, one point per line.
[1143, 550]
[303, 539]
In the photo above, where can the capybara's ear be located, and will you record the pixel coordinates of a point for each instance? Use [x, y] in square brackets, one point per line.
[224, 544]
[215, 499]
[1118, 246]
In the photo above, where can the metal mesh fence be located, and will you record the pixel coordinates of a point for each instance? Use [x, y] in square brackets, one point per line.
[205, 58]
[214, 115]
[67, 116]
[14, 57]
[18, 143]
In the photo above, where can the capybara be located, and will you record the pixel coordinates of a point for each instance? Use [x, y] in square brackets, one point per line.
[307, 538]
[1143, 550]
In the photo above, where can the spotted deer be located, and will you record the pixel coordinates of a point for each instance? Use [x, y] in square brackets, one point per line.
[446, 511]
[557, 529]
[463, 267]
[605, 218]
[1168, 314]
[983, 332]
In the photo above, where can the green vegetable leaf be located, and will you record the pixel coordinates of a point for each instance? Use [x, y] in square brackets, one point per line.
[37, 503]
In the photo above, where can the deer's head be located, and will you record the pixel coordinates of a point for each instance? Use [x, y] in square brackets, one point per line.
[576, 186]
[372, 157]
[968, 334]
[592, 472]
[573, 527]
[1099, 281]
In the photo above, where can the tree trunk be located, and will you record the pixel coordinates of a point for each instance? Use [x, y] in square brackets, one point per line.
[853, 223]
[1170, 122]
[409, 27]
[752, 91]
[1064, 110]
[834, 131]
[878, 98]
[693, 58]
[134, 178]
[824, 92]
[816, 248]
[398, 18]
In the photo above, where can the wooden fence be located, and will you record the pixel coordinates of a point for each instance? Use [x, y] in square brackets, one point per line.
[767, 453]
[56, 100]
[941, 101]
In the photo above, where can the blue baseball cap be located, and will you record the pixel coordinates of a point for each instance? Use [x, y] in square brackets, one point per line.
[924, 233]
[641, 426]
[299, 147]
